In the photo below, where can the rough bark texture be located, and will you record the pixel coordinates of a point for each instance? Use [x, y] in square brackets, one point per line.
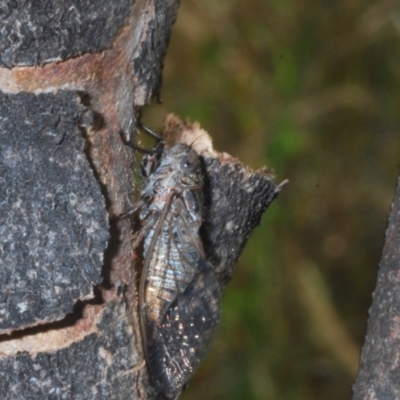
[38, 32]
[71, 77]
[379, 373]
[68, 289]
[52, 247]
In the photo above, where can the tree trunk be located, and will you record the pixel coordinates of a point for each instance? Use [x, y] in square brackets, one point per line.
[379, 373]
[71, 76]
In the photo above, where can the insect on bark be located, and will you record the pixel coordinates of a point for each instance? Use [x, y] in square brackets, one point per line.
[179, 294]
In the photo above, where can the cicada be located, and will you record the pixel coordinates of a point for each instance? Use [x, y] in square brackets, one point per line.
[179, 295]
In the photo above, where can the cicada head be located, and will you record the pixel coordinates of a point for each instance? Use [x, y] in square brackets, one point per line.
[183, 166]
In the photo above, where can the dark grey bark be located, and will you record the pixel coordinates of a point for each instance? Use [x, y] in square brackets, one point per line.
[48, 199]
[38, 32]
[379, 372]
[71, 77]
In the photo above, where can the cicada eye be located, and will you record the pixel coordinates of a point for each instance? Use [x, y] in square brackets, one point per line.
[146, 198]
[187, 165]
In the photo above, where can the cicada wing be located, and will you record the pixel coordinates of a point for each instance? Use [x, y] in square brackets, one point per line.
[156, 254]
[176, 347]
[188, 236]
[171, 263]
[177, 335]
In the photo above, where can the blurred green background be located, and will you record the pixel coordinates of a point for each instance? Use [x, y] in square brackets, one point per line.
[311, 89]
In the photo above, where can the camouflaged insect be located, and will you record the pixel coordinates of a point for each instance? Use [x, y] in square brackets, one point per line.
[179, 295]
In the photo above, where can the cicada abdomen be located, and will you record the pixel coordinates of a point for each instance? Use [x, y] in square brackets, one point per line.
[179, 295]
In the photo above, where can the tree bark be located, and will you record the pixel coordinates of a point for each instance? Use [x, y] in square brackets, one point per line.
[379, 372]
[71, 77]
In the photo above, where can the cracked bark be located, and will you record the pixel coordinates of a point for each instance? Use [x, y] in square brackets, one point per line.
[71, 78]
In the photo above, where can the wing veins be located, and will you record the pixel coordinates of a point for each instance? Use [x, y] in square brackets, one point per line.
[146, 264]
